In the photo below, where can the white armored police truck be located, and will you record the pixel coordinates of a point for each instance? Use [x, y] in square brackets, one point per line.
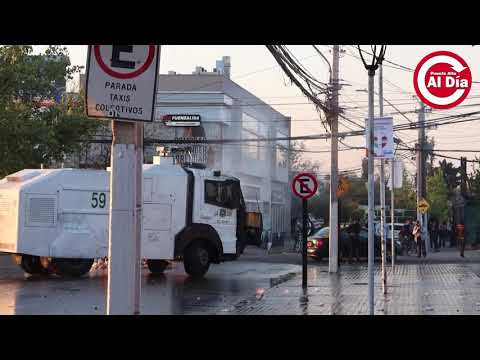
[56, 220]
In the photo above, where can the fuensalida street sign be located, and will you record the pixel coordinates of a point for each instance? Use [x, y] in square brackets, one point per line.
[122, 81]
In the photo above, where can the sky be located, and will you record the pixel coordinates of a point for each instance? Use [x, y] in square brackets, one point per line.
[254, 68]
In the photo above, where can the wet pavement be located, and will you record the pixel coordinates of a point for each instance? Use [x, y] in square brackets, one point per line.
[258, 283]
[172, 293]
[416, 287]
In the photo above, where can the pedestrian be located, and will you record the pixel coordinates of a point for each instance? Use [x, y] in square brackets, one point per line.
[443, 233]
[417, 234]
[461, 238]
[433, 232]
[408, 228]
[453, 235]
[354, 232]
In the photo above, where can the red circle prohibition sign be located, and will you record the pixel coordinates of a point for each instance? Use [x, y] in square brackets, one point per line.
[307, 188]
[118, 75]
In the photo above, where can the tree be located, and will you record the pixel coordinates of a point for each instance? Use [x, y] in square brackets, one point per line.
[437, 191]
[450, 175]
[33, 129]
[474, 182]
[297, 162]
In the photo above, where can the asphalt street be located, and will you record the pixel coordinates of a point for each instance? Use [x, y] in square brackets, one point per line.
[172, 293]
[261, 283]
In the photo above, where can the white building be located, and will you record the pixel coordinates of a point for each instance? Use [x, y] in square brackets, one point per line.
[227, 111]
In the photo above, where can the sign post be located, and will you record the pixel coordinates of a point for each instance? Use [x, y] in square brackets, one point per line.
[304, 185]
[121, 86]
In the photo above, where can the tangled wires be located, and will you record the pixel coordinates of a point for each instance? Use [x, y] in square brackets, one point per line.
[376, 59]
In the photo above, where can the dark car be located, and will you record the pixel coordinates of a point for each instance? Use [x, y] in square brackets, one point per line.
[317, 244]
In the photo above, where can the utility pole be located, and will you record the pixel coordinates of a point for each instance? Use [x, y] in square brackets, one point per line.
[371, 190]
[421, 184]
[371, 68]
[382, 188]
[123, 295]
[392, 208]
[334, 221]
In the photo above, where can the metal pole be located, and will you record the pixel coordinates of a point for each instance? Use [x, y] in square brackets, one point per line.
[304, 244]
[333, 236]
[421, 174]
[123, 247]
[371, 195]
[138, 213]
[392, 209]
[382, 190]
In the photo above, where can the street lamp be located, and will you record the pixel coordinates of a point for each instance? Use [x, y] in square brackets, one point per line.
[371, 67]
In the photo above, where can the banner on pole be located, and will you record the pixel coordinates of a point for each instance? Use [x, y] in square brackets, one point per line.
[383, 137]
[398, 174]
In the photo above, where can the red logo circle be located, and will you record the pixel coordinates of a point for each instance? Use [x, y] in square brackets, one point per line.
[307, 185]
[442, 80]
[118, 75]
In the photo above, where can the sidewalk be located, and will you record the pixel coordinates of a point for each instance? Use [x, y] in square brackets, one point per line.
[424, 287]
[445, 255]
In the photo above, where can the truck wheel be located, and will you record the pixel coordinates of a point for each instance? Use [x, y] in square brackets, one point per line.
[157, 266]
[71, 267]
[30, 264]
[196, 259]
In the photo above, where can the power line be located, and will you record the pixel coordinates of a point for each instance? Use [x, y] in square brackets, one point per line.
[398, 66]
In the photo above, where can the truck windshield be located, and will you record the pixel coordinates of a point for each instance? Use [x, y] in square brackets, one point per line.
[221, 193]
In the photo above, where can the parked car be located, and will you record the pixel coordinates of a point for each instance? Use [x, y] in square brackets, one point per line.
[313, 225]
[397, 227]
[318, 244]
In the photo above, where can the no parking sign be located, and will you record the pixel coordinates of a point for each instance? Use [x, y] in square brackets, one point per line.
[121, 81]
[304, 185]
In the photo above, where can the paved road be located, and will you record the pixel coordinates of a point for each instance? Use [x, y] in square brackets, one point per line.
[261, 283]
[443, 283]
[173, 293]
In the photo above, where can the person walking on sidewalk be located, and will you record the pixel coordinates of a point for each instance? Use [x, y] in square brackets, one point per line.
[417, 234]
[453, 234]
[461, 238]
[354, 232]
[442, 233]
[433, 232]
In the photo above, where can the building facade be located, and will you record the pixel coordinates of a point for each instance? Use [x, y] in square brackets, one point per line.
[225, 111]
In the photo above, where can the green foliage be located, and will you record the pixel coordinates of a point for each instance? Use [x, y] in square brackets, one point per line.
[474, 182]
[450, 175]
[31, 135]
[437, 192]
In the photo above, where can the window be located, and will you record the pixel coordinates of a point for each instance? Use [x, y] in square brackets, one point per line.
[253, 129]
[282, 151]
[250, 148]
[251, 193]
[249, 123]
[222, 193]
